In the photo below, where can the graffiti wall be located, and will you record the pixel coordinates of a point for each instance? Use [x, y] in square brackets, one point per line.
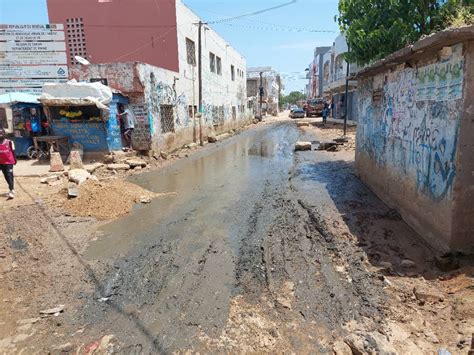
[409, 120]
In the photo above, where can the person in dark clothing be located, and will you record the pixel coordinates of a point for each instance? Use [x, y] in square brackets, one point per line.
[7, 160]
[325, 112]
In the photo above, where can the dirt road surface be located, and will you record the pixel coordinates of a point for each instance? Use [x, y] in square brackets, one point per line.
[254, 248]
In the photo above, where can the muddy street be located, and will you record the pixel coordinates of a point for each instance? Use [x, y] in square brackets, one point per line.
[251, 247]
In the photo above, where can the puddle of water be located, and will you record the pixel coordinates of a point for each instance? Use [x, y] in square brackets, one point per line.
[214, 192]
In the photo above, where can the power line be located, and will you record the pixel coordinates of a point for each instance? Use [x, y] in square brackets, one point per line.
[266, 28]
[252, 13]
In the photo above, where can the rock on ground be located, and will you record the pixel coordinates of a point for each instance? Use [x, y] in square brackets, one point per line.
[302, 145]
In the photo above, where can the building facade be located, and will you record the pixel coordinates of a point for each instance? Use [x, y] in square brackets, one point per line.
[104, 31]
[315, 73]
[414, 136]
[327, 78]
[272, 88]
[166, 101]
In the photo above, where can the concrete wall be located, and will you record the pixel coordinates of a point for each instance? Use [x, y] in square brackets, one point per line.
[125, 30]
[220, 92]
[409, 147]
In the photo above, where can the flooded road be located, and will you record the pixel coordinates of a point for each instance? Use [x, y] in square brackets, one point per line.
[179, 260]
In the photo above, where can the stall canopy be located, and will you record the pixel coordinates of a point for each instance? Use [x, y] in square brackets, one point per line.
[15, 97]
[76, 94]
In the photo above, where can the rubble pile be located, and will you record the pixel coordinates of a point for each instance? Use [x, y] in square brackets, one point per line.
[106, 199]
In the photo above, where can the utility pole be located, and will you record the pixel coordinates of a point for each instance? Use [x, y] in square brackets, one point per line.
[260, 91]
[346, 99]
[200, 80]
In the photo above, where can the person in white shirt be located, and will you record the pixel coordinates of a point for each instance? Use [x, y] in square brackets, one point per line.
[129, 121]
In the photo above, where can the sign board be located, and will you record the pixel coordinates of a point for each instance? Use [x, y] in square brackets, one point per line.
[8, 35]
[33, 58]
[37, 71]
[14, 83]
[34, 27]
[31, 46]
[32, 91]
[30, 56]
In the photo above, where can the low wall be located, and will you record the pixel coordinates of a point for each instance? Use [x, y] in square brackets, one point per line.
[408, 142]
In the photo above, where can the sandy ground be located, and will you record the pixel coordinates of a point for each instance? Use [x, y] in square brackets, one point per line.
[320, 264]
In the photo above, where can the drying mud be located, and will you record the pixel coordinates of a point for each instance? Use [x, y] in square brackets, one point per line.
[250, 248]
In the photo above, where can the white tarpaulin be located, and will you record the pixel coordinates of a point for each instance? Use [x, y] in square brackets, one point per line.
[76, 93]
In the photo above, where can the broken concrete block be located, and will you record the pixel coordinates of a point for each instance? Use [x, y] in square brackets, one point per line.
[75, 161]
[78, 175]
[136, 162]
[302, 145]
[56, 162]
[55, 310]
[108, 159]
[164, 155]
[302, 124]
[327, 145]
[118, 166]
[48, 179]
[192, 145]
[94, 167]
[223, 136]
[145, 199]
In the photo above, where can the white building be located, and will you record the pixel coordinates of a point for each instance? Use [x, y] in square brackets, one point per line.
[165, 101]
[272, 87]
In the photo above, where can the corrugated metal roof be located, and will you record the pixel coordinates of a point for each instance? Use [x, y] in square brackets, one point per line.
[14, 97]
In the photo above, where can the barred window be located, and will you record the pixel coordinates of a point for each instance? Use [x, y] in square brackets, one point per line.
[167, 118]
[191, 51]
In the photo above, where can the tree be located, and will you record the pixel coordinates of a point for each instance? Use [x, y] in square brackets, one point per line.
[377, 28]
[292, 98]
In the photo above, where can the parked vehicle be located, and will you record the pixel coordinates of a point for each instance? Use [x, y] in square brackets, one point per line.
[297, 113]
[293, 107]
[314, 107]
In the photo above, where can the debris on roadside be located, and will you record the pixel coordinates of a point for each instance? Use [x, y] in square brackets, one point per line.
[53, 311]
[118, 166]
[55, 162]
[302, 124]
[104, 199]
[79, 176]
[301, 146]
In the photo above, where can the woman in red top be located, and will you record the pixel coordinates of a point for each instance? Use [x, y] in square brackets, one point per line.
[7, 160]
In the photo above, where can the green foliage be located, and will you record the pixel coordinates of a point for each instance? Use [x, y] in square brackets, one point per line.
[377, 28]
[292, 98]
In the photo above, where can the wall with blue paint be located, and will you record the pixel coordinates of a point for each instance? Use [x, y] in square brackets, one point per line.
[114, 136]
[91, 135]
[407, 138]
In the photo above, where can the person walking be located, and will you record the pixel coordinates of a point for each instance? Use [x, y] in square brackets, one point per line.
[129, 121]
[7, 160]
[325, 112]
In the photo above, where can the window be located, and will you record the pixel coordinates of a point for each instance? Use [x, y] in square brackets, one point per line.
[212, 62]
[234, 113]
[219, 65]
[167, 118]
[232, 72]
[191, 51]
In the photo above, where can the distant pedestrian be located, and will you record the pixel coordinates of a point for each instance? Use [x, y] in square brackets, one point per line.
[129, 121]
[325, 112]
[7, 160]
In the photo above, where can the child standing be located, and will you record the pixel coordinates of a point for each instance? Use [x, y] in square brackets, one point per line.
[7, 160]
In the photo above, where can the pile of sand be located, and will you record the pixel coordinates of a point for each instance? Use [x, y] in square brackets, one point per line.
[106, 199]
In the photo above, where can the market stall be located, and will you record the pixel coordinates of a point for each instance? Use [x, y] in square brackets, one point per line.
[82, 112]
[26, 121]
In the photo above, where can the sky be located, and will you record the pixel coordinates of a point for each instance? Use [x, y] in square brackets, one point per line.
[284, 38]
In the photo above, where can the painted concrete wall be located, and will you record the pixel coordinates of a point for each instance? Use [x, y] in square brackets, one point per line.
[125, 30]
[219, 90]
[408, 141]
